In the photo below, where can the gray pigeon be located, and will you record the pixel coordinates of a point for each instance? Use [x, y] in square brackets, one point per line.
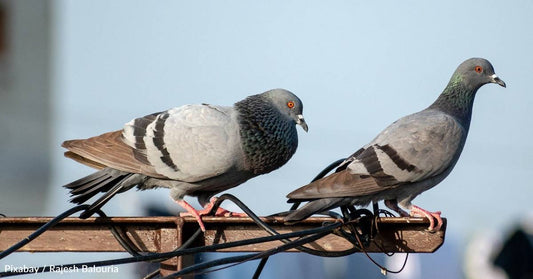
[409, 157]
[195, 150]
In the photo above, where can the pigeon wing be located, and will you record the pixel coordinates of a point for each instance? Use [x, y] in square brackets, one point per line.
[189, 143]
[411, 149]
[107, 150]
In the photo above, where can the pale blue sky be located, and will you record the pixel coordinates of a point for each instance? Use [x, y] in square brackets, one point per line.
[356, 65]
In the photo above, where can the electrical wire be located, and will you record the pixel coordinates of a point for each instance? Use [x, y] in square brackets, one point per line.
[211, 248]
[245, 258]
[42, 229]
[295, 206]
[361, 225]
[306, 236]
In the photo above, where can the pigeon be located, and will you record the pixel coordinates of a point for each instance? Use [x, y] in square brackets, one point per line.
[409, 157]
[195, 150]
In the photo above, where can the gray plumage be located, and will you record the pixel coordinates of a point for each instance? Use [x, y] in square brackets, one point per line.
[196, 150]
[409, 157]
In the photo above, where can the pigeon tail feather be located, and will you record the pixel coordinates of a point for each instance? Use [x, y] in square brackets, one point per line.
[315, 206]
[107, 180]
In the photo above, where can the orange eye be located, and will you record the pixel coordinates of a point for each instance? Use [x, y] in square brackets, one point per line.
[290, 104]
[478, 69]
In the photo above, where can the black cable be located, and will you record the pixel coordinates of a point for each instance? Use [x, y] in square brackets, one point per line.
[327, 169]
[59, 218]
[271, 231]
[122, 240]
[158, 256]
[259, 268]
[182, 247]
[245, 258]
[306, 236]
[355, 236]
[347, 212]
[295, 206]
[311, 236]
[42, 229]
[383, 269]
[375, 208]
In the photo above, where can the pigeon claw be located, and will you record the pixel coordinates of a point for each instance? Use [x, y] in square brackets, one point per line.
[221, 212]
[191, 212]
[432, 216]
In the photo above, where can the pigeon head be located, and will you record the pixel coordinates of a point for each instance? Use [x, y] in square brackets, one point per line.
[476, 72]
[288, 104]
[458, 96]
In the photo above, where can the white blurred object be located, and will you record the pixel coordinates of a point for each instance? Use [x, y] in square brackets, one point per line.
[412, 268]
[479, 255]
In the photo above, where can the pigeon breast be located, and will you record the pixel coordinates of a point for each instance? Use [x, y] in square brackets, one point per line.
[269, 138]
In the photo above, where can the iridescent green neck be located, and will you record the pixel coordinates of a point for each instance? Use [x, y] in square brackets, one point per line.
[457, 100]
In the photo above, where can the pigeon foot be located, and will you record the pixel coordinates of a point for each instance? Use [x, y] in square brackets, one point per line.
[220, 211]
[432, 216]
[191, 211]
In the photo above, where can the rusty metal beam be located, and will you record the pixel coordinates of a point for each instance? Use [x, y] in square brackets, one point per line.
[163, 234]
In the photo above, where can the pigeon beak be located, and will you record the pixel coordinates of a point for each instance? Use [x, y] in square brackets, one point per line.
[301, 122]
[497, 80]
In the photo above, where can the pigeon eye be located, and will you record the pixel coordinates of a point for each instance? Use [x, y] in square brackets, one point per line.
[290, 104]
[478, 69]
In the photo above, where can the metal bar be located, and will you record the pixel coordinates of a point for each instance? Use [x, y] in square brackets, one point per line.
[169, 240]
[157, 234]
[405, 234]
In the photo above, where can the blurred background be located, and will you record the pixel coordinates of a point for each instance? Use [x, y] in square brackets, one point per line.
[75, 69]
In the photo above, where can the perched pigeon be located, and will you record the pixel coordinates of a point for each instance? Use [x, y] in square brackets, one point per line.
[409, 157]
[195, 150]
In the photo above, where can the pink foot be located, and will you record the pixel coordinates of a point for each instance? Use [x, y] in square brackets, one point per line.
[220, 211]
[415, 210]
[191, 212]
[207, 208]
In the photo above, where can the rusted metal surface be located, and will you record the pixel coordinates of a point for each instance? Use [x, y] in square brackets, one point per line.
[89, 235]
[157, 234]
[163, 234]
[404, 234]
